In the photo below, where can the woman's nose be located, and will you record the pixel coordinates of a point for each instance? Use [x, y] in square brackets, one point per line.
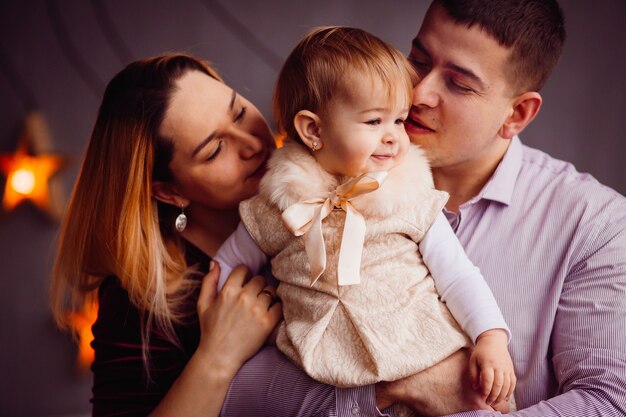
[249, 144]
[426, 92]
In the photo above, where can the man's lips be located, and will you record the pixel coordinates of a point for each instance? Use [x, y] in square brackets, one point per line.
[414, 123]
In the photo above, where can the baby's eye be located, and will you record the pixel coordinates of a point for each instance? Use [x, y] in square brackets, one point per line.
[400, 121]
[373, 122]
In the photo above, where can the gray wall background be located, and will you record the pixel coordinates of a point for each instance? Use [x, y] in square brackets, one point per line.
[64, 52]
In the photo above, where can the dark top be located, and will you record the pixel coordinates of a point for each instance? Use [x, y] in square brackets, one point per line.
[121, 387]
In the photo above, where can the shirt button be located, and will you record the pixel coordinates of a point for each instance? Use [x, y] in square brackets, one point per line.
[356, 410]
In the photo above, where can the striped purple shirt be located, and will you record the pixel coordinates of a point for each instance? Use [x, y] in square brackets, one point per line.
[551, 243]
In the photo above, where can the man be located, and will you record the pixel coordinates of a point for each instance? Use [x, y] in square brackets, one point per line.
[551, 242]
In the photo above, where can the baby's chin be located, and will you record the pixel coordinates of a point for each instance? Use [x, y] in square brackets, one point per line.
[383, 164]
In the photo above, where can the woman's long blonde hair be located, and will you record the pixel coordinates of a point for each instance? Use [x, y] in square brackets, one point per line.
[113, 226]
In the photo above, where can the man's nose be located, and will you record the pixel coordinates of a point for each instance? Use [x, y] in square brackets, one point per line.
[426, 92]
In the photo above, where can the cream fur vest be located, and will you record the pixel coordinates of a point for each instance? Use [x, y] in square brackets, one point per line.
[389, 326]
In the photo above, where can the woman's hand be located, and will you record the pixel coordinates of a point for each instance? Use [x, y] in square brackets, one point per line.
[233, 325]
[235, 322]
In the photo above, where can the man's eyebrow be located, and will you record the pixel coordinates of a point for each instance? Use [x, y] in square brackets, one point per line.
[209, 138]
[418, 45]
[454, 67]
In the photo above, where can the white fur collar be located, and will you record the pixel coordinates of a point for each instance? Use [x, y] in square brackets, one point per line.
[294, 175]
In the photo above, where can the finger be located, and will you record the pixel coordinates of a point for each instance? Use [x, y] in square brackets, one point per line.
[474, 373]
[255, 285]
[504, 390]
[276, 311]
[503, 407]
[486, 376]
[271, 339]
[269, 290]
[274, 316]
[237, 277]
[208, 289]
[267, 295]
[496, 387]
[511, 387]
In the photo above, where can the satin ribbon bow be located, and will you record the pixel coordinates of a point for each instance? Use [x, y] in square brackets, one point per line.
[305, 218]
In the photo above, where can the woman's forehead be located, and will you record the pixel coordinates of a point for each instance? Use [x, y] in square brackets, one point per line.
[197, 106]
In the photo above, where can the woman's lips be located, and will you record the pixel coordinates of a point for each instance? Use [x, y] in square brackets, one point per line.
[260, 171]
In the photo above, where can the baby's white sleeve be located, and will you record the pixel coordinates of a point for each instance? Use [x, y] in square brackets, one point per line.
[459, 282]
[239, 249]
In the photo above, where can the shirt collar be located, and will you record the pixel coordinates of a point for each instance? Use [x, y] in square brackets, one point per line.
[500, 186]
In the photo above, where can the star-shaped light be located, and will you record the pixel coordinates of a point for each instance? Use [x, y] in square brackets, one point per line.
[27, 178]
[28, 173]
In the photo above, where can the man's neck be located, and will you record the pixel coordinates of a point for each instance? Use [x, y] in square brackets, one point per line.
[465, 180]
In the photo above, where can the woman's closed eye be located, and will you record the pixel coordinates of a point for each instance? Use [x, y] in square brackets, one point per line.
[241, 115]
[215, 151]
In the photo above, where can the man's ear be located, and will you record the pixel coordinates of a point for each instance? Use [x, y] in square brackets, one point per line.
[524, 109]
[307, 124]
[166, 193]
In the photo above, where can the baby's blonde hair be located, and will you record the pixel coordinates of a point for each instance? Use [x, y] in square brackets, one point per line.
[317, 70]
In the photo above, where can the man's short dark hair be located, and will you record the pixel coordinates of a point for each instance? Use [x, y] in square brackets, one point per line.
[533, 29]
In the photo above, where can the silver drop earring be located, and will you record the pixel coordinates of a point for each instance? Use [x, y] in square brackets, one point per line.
[181, 220]
[314, 145]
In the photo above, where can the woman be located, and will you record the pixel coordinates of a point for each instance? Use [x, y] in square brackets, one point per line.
[170, 137]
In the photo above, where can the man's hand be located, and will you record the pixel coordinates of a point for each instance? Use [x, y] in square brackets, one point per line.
[444, 388]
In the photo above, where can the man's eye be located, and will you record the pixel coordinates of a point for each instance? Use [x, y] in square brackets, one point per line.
[420, 66]
[459, 87]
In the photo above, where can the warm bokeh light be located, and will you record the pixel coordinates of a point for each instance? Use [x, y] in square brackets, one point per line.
[280, 139]
[30, 170]
[82, 322]
[22, 181]
[27, 178]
